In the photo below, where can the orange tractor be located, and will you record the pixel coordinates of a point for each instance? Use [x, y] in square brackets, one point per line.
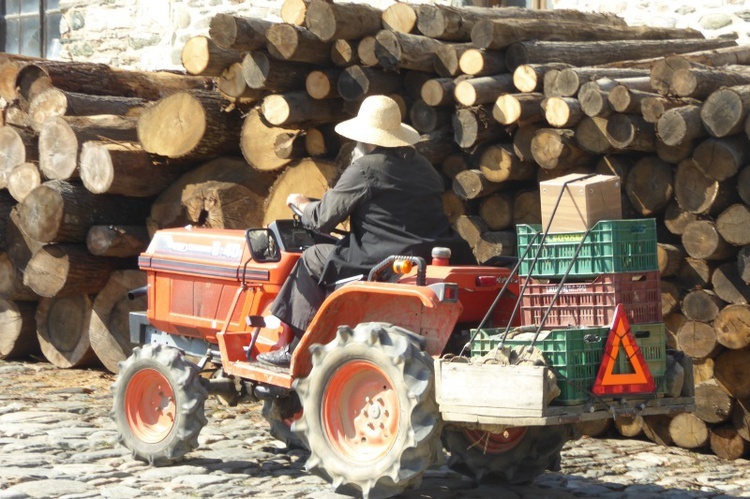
[371, 392]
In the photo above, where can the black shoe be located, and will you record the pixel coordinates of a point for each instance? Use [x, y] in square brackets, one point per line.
[281, 357]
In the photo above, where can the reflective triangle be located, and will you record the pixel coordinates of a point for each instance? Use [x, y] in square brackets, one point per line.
[610, 383]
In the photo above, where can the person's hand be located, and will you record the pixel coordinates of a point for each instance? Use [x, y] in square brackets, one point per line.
[297, 200]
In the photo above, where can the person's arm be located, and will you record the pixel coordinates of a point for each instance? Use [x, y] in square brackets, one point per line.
[337, 203]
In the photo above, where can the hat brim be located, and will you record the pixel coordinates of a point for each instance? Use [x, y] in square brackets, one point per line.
[360, 131]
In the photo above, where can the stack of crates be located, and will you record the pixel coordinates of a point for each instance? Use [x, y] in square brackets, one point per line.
[615, 262]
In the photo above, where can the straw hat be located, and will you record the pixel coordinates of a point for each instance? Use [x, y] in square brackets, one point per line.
[379, 122]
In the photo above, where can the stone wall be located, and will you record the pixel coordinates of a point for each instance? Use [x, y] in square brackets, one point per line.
[150, 34]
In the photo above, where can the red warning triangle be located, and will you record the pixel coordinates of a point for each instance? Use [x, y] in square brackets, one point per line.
[609, 383]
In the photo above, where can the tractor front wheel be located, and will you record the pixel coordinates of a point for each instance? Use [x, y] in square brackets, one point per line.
[370, 418]
[158, 404]
[518, 455]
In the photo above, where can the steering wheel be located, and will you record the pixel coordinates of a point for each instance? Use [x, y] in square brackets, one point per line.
[298, 213]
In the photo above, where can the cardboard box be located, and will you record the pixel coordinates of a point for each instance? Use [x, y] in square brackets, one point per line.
[583, 203]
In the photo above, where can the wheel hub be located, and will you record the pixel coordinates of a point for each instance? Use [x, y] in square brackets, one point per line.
[150, 406]
[495, 443]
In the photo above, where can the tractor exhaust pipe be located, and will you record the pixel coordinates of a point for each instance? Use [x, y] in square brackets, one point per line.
[137, 292]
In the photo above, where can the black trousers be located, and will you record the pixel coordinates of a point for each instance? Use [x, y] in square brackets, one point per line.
[301, 296]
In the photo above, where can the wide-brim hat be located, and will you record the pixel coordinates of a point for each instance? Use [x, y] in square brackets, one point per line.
[379, 122]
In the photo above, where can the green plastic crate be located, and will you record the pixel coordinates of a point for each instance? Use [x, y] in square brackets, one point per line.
[652, 340]
[611, 246]
[574, 353]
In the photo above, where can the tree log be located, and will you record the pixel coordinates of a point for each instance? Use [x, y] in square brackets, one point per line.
[17, 330]
[670, 297]
[124, 168]
[472, 184]
[530, 77]
[482, 62]
[242, 34]
[631, 132]
[699, 194]
[722, 158]
[568, 81]
[498, 163]
[190, 126]
[672, 323]
[703, 370]
[674, 154]
[258, 142]
[68, 269]
[11, 282]
[495, 243]
[626, 100]
[652, 108]
[483, 90]
[701, 305]
[23, 179]
[741, 418]
[724, 112]
[348, 21]
[676, 218]
[593, 53]
[202, 56]
[294, 43]
[733, 224]
[695, 273]
[471, 228]
[732, 371]
[595, 428]
[593, 97]
[614, 165]
[680, 124]
[497, 210]
[688, 431]
[520, 109]
[293, 11]
[743, 264]
[649, 185]
[731, 326]
[221, 205]
[562, 112]
[63, 331]
[453, 206]
[425, 118]
[357, 82]
[59, 211]
[700, 83]
[702, 240]
[698, 340]
[439, 91]
[233, 87]
[17, 146]
[321, 84]
[728, 285]
[522, 141]
[656, 429]
[400, 17]
[591, 135]
[403, 51]
[20, 245]
[447, 61]
[629, 426]
[727, 443]
[555, 149]
[527, 207]
[299, 107]
[344, 53]
[475, 126]
[120, 241]
[670, 259]
[109, 331]
[263, 72]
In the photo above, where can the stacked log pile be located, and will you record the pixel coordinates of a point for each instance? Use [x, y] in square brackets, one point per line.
[500, 109]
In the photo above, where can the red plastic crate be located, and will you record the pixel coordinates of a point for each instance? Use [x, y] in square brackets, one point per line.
[592, 303]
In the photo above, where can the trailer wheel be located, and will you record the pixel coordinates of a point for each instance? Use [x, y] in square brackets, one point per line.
[280, 414]
[370, 418]
[158, 404]
[516, 456]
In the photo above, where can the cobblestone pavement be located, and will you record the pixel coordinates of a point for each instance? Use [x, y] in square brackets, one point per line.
[57, 440]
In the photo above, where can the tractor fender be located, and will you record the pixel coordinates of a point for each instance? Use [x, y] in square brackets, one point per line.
[415, 308]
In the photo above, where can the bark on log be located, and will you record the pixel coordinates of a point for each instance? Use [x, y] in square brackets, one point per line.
[357, 82]
[474, 126]
[656, 429]
[568, 81]
[17, 330]
[349, 21]
[11, 282]
[726, 443]
[674, 154]
[593, 53]
[688, 431]
[702, 240]
[100, 79]
[733, 224]
[425, 118]
[498, 34]
[190, 126]
[20, 245]
[696, 273]
[482, 62]
[400, 17]
[728, 284]
[498, 163]
[731, 326]
[722, 158]
[520, 109]
[700, 83]
[725, 110]
[109, 331]
[167, 211]
[202, 56]
[527, 208]
[454, 164]
[453, 206]
[472, 184]
[344, 53]
[402, 51]
[59, 211]
[652, 108]
[68, 269]
[701, 305]
[233, 87]
[294, 43]
[23, 179]
[732, 371]
[483, 90]
[471, 228]
[629, 426]
[262, 72]
[555, 149]
[593, 97]
[591, 135]
[497, 210]
[530, 77]
[650, 185]
[626, 100]
[121, 241]
[242, 34]
[563, 112]
[321, 84]
[698, 340]
[313, 177]
[63, 331]
[743, 184]
[17, 146]
[699, 194]
[448, 58]
[712, 403]
[293, 11]
[631, 132]
[298, 107]
[670, 297]
[124, 168]
[680, 124]
[615, 165]
[670, 259]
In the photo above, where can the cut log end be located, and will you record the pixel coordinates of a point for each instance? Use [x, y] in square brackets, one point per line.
[174, 127]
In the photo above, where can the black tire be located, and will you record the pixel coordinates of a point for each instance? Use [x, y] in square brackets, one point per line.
[533, 450]
[370, 421]
[279, 413]
[157, 375]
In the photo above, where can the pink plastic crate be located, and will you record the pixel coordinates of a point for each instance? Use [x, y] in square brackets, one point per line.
[592, 303]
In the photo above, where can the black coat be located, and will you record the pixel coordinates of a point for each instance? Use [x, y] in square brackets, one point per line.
[393, 198]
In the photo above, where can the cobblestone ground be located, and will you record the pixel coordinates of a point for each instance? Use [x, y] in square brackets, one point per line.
[57, 440]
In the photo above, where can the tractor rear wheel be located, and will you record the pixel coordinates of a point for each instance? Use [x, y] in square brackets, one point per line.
[370, 421]
[158, 404]
[517, 455]
[280, 414]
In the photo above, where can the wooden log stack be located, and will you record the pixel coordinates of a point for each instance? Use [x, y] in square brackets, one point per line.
[501, 107]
